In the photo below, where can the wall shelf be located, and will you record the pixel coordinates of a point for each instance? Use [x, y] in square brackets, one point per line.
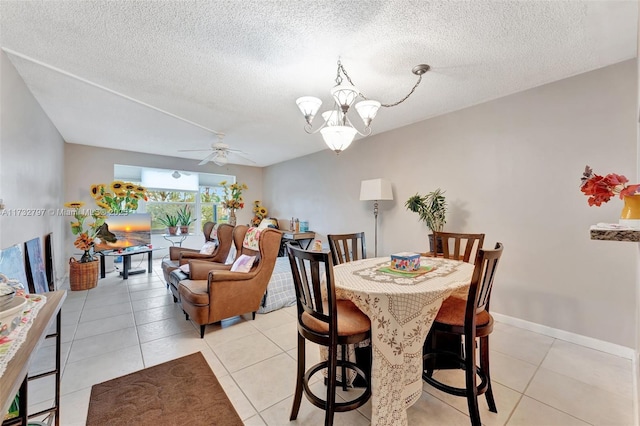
[614, 232]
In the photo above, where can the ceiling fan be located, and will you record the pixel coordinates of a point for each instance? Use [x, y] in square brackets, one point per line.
[176, 174]
[220, 152]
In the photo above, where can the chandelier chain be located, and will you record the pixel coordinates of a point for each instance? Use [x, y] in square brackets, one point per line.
[413, 89]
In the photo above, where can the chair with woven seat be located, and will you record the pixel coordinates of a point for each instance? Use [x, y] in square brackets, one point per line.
[347, 247]
[469, 319]
[215, 292]
[458, 246]
[179, 256]
[330, 322]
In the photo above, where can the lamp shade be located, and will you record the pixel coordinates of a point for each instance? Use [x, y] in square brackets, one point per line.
[375, 189]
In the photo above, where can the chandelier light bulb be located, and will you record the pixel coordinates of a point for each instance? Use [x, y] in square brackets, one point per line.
[367, 110]
[338, 138]
[309, 106]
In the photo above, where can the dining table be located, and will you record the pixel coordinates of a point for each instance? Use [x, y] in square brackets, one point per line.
[402, 308]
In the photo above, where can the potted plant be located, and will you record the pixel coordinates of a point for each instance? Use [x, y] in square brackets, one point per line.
[171, 222]
[432, 209]
[184, 219]
[83, 274]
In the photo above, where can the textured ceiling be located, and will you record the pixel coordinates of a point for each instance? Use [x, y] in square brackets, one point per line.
[158, 77]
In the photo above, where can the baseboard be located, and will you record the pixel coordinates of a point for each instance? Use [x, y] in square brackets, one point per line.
[578, 339]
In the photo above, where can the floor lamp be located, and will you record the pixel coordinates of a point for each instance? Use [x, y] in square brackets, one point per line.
[375, 190]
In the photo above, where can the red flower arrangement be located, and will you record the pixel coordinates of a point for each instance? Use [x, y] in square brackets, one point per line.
[600, 189]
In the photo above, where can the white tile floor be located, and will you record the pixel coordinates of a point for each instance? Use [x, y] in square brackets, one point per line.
[123, 326]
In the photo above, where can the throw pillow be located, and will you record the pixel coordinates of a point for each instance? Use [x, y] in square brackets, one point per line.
[243, 263]
[252, 239]
[185, 268]
[214, 233]
[208, 248]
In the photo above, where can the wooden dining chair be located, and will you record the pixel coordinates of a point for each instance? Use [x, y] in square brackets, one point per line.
[329, 322]
[457, 246]
[347, 247]
[469, 320]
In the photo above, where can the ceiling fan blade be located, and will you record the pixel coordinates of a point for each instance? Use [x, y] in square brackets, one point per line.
[208, 158]
[193, 150]
[242, 156]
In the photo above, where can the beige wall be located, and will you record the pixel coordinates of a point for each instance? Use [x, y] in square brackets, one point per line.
[511, 169]
[31, 166]
[88, 165]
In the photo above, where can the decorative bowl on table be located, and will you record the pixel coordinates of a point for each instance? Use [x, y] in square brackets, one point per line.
[7, 293]
[11, 314]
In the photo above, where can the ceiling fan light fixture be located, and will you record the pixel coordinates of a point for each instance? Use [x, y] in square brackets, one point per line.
[221, 159]
[337, 130]
[176, 174]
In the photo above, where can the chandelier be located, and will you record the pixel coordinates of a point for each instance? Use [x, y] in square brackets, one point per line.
[337, 130]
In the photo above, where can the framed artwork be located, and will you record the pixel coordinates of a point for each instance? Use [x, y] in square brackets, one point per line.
[49, 262]
[36, 274]
[12, 266]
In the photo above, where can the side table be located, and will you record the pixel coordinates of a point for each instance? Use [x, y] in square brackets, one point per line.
[176, 239]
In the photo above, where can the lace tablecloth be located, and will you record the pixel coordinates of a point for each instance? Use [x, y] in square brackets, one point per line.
[402, 310]
[10, 344]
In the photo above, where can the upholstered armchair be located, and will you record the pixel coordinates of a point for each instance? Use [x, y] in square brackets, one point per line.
[179, 256]
[213, 293]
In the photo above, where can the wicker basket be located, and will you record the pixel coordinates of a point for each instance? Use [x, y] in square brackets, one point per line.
[83, 276]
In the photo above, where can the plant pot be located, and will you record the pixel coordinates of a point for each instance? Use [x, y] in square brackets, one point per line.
[172, 230]
[438, 247]
[630, 215]
[184, 230]
[83, 276]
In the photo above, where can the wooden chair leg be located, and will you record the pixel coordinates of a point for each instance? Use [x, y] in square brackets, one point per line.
[186, 315]
[254, 315]
[202, 331]
[470, 378]
[331, 387]
[484, 364]
[297, 396]
[344, 369]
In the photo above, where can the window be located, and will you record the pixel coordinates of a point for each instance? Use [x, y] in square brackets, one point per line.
[210, 208]
[162, 203]
[171, 190]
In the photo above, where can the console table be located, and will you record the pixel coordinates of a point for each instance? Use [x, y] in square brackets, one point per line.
[15, 377]
[303, 239]
[126, 259]
[300, 237]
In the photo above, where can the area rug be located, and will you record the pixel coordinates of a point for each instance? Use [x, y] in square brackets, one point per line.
[183, 391]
